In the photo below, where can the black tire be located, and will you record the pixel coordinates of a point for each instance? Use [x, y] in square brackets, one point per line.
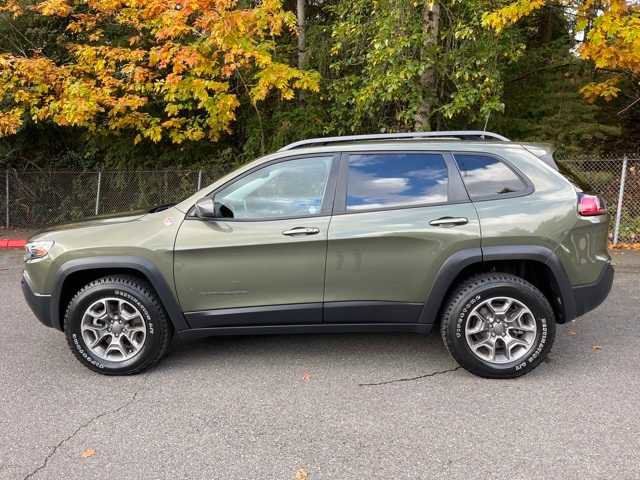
[141, 295]
[485, 286]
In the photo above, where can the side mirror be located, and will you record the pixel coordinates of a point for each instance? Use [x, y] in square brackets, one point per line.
[205, 208]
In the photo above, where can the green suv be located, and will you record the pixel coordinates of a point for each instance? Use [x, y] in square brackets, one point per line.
[466, 231]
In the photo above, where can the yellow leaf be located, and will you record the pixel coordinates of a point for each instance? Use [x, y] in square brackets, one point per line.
[301, 474]
[54, 8]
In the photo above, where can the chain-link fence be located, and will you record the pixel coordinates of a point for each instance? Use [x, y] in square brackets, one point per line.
[34, 199]
[617, 179]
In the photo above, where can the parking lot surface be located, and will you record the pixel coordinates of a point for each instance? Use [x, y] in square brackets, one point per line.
[359, 406]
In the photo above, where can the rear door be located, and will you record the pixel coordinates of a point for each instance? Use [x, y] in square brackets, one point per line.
[263, 260]
[397, 217]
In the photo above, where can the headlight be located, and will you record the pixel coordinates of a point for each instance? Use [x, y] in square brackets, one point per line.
[35, 250]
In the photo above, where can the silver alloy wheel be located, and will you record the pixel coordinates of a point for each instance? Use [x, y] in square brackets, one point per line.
[501, 330]
[113, 329]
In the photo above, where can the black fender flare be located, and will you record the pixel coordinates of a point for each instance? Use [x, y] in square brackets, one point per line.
[139, 264]
[452, 267]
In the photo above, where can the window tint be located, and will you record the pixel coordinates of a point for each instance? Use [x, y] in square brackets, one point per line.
[487, 176]
[294, 188]
[395, 179]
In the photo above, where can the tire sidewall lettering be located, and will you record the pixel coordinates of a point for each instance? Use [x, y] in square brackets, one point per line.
[462, 316]
[86, 355]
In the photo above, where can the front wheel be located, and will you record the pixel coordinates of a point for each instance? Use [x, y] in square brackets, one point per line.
[116, 326]
[498, 325]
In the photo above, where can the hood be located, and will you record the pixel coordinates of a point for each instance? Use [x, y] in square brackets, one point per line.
[109, 219]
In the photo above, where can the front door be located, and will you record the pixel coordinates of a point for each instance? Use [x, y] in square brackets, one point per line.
[263, 260]
[398, 217]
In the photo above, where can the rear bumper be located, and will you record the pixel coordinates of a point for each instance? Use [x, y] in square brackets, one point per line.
[590, 296]
[39, 304]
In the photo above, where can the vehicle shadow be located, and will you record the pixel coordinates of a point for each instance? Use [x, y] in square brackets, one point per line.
[348, 348]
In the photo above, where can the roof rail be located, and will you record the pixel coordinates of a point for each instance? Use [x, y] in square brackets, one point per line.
[455, 134]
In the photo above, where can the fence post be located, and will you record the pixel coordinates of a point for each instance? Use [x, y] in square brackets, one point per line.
[98, 190]
[6, 181]
[199, 180]
[623, 177]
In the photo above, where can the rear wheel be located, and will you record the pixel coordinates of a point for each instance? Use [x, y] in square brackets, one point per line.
[116, 326]
[497, 325]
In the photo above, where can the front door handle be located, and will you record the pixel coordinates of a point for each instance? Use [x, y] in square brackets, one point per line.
[301, 231]
[449, 221]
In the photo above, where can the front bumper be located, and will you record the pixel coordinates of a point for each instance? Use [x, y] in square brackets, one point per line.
[588, 297]
[39, 304]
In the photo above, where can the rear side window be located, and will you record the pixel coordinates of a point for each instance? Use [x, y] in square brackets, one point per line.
[486, 176]
[382, 180]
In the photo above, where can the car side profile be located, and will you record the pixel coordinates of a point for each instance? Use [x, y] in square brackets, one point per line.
[465, 231]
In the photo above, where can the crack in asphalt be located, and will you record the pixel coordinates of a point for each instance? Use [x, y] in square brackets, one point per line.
[410, 379]
[56, 447]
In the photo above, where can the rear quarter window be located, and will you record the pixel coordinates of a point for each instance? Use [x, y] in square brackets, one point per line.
[485, 177]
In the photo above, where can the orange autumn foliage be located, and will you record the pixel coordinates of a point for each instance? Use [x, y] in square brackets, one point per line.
[174, 71]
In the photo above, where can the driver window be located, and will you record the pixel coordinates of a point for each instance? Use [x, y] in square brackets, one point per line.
[293, 188]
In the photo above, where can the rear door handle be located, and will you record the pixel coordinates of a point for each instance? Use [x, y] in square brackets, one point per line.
[301, 231]
[449, 221]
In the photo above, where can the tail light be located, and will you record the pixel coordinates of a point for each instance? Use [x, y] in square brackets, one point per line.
[591, 205]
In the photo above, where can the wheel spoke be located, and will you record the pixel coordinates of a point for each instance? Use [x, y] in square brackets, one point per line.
[98, 310]
[504, 308]
[98, 335]
[480, 326]
[512, 342]
[516, 316]
[525, 327]
[488, 343]
[507, 350]
[116, 346]
[132, 338]
[126, 312]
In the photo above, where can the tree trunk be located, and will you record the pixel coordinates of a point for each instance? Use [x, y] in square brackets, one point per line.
[428, 87]
[546, 25]
[302, 48]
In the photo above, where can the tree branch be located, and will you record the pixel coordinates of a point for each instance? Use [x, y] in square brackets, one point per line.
[531, 72]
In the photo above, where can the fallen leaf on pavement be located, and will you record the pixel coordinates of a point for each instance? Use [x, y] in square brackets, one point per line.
[301, 474]
[572, 333]
[596, 348]
[89, 452]
[625, 246]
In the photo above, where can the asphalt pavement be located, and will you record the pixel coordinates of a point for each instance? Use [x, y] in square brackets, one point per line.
[310, 407]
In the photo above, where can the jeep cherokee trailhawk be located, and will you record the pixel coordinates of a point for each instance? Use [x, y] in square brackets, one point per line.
[466, 231]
